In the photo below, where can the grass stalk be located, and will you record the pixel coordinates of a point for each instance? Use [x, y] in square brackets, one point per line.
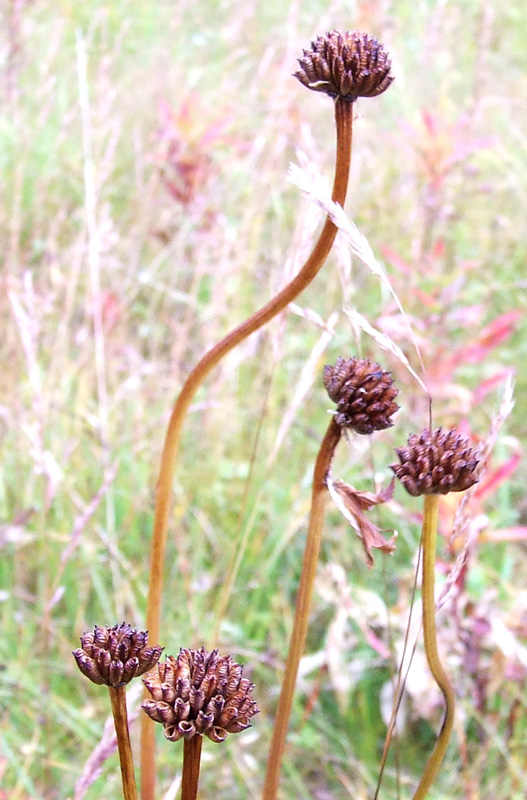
[191, 765]
[429, 536]
[120, 718]
[303, 605]
[344, 126]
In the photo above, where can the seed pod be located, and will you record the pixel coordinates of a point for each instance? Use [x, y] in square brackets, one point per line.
[364, 394]
[347, 65]
[200, 693]
[113, 656]
[436, 462]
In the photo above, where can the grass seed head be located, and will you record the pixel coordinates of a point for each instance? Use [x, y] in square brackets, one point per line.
[364, 394]
[200, 693]
[436, 462]
[113, 656]
[347, 65]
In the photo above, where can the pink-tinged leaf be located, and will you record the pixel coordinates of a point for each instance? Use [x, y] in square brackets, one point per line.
[490, 337]
[517, 534]
[375, 643]
[488, 385]
[500, 329]
[438, 250]
[492, 480]
[352, 504]
[393, 258]
[429, 122]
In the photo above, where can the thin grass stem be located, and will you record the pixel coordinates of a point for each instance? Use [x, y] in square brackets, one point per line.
[303, 605]
[431, 506]
[191, 765]
[401, 682]
[344, 126]
[120, 718]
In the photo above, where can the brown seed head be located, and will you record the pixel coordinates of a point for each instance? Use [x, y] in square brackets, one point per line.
[436, 462]
[364, 394]
[200, 693]
[347, 65]
[115, 655]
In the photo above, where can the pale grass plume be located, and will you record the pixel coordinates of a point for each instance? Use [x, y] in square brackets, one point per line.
[315, 190]
[307, 376]
[384, 342]
[465, 527]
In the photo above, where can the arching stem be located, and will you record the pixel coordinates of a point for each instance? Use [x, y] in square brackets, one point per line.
[344, 125]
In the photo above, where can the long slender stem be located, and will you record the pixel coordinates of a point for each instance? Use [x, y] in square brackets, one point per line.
[303, 605]
[191, 764]
[431, 505]
[344, 126]
[120, 718]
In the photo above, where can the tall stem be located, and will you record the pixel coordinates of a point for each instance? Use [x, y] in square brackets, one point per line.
[120, 718]
[344, 125]
[429, 536]
[191, 764]
[303, 605]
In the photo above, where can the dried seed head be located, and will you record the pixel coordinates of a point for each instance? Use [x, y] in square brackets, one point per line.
[115, 655]
[436, 462]
[200, 693]
[364, 394]
[347, 65]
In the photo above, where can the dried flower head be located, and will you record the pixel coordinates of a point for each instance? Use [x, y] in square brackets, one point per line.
[364, 394]
[115, 655]
[347, 65]
[436, 462]
[200, 693]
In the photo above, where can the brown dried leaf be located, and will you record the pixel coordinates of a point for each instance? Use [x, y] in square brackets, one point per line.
[352, 504]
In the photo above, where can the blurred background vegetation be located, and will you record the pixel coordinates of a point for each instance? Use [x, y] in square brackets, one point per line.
[145, 209]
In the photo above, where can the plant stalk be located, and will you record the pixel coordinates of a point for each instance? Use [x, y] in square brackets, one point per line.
[429, 536]
[191, 765]
[344, 126]
[303, 604]
[120, 718]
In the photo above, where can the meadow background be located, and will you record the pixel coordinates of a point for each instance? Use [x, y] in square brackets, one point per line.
[145, 210]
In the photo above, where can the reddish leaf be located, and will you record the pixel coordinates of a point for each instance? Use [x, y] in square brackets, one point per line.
[492, 480]
[352, 504]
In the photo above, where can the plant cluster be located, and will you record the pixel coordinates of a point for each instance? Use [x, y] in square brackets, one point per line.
[200, 693]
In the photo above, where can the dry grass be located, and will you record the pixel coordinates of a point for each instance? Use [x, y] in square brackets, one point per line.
[146, 210]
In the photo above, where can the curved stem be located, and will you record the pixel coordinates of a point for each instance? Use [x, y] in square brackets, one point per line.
[191, 764]
[431, 505]
[344, 125]
[120, 718]
[303, 605]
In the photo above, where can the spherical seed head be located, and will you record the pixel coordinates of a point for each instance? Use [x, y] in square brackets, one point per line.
[347, 65]
[113, 656]
[436, 462]
[364, 394]
[200, 693]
